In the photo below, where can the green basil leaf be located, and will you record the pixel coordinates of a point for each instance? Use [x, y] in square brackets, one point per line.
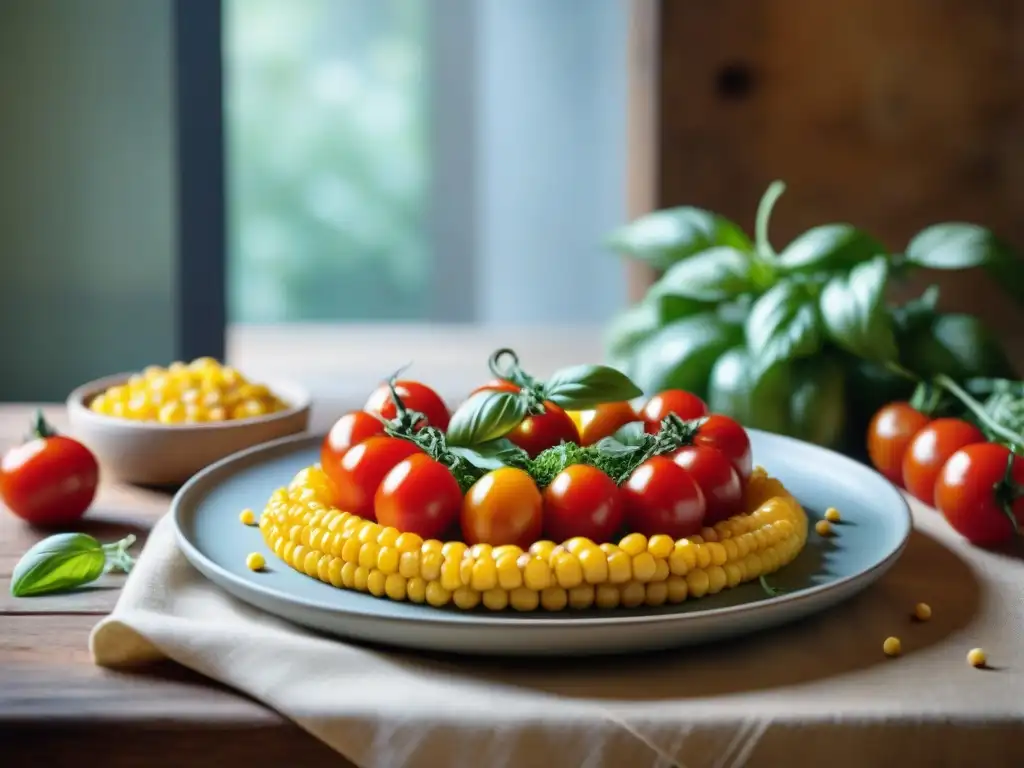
[632, 434]
[783, 325]
[493, 454]
[955, 245]
[586, 386]
[711, 276]
[854, 313]
[484, 417]
[827, 248]
[629, 328]
[818, 406]
[57, 563]
[958, 345]
[755, 397]
[916, 313]
[664, 237]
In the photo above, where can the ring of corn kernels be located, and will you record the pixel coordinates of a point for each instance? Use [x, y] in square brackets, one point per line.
[346, 551]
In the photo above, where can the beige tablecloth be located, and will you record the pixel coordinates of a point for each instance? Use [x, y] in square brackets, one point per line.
[818, 693]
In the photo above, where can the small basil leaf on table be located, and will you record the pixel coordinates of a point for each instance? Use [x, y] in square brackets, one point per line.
[586, 386]
[680, 355]
[784, 324]
[828, 248]
[713, 275]
[485, 416]
[854, 313]
[664, 237]
[58, 563]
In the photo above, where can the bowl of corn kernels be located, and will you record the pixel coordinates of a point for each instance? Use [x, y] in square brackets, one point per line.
[161, 425]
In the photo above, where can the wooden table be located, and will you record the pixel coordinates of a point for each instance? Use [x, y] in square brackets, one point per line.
[57, 706]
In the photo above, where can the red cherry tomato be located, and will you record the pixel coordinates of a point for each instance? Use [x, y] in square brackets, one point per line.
[416, 397]
[730, 438]
[359, 474]
[969, 493]
[582, 501]
[662, 497]
[717, 479]
[503, 507]
[419, 495]
[683, 404]
[889, 434]
[929, 450]
[535, 433]
[498, 385]
[51, 480]
[351, 429]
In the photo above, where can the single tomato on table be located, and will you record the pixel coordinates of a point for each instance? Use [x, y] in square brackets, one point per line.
[929, 449]
[543, 430]
[415, 396]
[662, 497]
[50, 480]
[683, 404]
[419, 495]
[603, 421]
[976, 495]
[889, 434]
[582, 501]
[351, 429]
[717, 478]
[729, 437]
[361, 470]
[503, 507]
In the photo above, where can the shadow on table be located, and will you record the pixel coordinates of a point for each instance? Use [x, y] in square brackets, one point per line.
[842, 640]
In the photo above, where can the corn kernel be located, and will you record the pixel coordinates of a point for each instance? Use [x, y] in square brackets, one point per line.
[697, 583]
[633, 594]
[536, 574]
[495, 599]
[832, 515]
[922, 611]
[823, 528]
[255, 562]
[633, 544]
[567, 569]
[387, 560]
[523, 599]
[484, 575]
[437, 595]
[977, 658]
[466, 598]
[677, 589]
[644, 567]
[594, 565]
[582, 596]
[660, 546]
[892, 646]
[606, 596]
[247, 517]
[554, 599]
[416, 590]
[657, 594]
[620, 567]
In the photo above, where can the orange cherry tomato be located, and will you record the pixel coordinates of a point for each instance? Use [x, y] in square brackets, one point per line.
[889, 434]
[604, 421]
[359, 474]
[419, 495]
[582, 501]
[544, 430]
[351, 429]
[414, 396]
[503, 507]
[928, 451]
[683, 404]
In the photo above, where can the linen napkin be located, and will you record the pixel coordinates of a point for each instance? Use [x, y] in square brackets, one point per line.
[814, 693]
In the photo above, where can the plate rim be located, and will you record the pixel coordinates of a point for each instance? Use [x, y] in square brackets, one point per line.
[206, 478]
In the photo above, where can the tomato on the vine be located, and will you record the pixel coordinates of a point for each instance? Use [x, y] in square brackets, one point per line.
[359, 474]
[729, 437]
[929, 449]
[977, 498]
[351, 429]
[502, 507]
[582, 501]
[683, 404]
[419, 495]
[717, 478]
[662, 497]
[603, 421]
[415, 397]
[889, 433]
[50, 480]
[544, 430]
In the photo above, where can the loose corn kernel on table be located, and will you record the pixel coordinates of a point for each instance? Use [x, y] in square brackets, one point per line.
[822, 691]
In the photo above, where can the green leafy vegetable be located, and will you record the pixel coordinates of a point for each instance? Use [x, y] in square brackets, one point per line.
[491, 455]
[484, 417]
[586, 386]
[955, 246]
[681, 355]
[665, 237]
[784, 324]
[714, 275]
[65, 561]
[854, 314]
[827, 248]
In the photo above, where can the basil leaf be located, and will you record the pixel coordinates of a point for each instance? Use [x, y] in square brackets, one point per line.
[783, 325]
[955, 246]
[664, 237]
[713, 275]
[57, 563]
[629, 328]
[485, 416]
[916, 313]
[586, 386]
[828, 247]
[854, 314]
[612, 448]
[632, 434]
[493, 454]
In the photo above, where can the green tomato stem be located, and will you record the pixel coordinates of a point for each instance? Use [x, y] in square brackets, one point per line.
[1008, 435]
[764, 213]
[1007, 492]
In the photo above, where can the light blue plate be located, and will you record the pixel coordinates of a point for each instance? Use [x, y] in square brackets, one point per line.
[875, 528]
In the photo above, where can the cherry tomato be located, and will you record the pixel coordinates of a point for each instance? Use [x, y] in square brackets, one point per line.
[503, 507]
[968, 493]
[662, 497]
[928, 451]
[717, 479]
[49, 481]
[683, 404]
[351, 429]
[359, 473]
[889, 434]
[419, 495]
[535, 433]
[416, 397]
[730, 438]
[582, 501]
[601, 422]
[498, 385]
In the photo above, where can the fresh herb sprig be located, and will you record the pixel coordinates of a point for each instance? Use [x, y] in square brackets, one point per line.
[68, 560]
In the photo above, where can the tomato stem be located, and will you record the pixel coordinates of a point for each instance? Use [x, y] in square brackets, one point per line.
[1009, 436]
[1008, 491]
[41, 428]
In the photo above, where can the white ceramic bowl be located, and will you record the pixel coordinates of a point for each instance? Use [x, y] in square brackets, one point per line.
[150, 453]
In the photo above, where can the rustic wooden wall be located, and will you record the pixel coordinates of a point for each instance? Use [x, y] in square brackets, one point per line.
[889, 114]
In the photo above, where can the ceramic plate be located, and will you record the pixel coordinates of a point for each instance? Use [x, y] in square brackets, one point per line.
[875, 528]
